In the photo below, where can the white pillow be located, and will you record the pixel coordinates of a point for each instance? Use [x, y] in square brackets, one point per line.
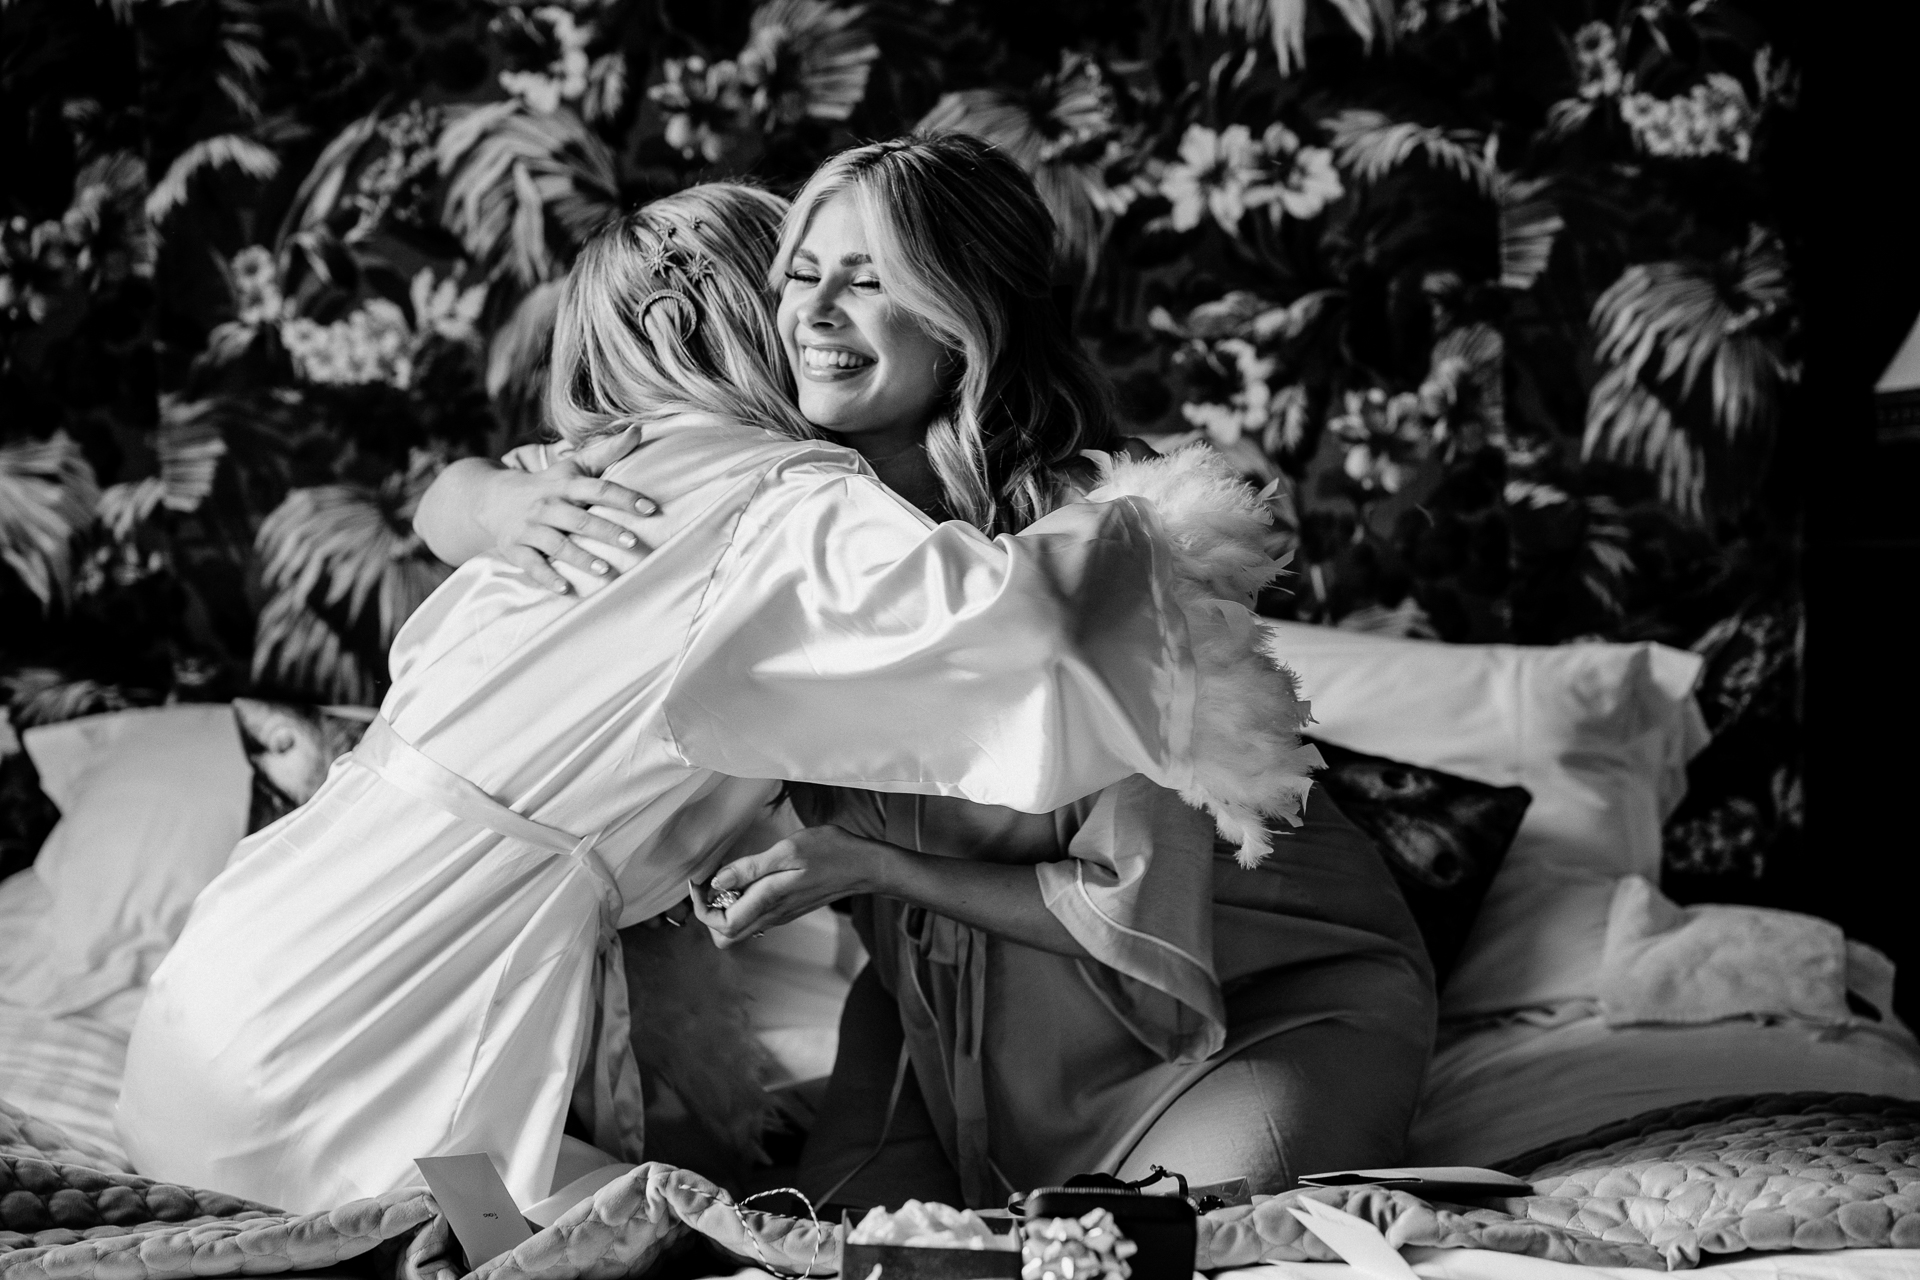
[23, 900]
[1599, 733]
[151, 802]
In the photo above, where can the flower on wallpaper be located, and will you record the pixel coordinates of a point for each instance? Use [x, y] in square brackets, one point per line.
[1386, 438]
[1228, 355]
[1714, 118]
[565, 78]
[805, 59]
[1310, 182]
[373, 344]
[445, 309]
[256, 286]
[1247, 409]
[1218, 174]
[1227, 173]
[703, 102]
[396, 183]
[1596, 56]
[1464, 382]
[29, 270]
[103, 236]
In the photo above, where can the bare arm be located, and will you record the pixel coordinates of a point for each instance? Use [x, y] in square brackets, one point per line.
[824, 864]
[448, 517]
[477, 505]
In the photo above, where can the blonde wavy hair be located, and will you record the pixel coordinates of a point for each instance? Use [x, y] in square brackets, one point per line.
[963, 242]
[665, 312]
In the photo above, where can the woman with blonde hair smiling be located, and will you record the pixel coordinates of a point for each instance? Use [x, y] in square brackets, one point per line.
[1138, 996]
[422, 960]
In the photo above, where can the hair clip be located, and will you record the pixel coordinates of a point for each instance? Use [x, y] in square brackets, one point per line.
[654, 258]
[686, 320]
[697, 267]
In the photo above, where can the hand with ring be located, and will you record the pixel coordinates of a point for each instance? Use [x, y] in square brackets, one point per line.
[807, 870]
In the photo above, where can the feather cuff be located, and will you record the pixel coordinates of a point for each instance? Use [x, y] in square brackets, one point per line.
[1249, 764]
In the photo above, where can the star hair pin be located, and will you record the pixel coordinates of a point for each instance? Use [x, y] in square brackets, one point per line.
[657, 256]
[696, 267]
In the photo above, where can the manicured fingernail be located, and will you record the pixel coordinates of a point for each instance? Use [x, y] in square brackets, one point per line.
[558, 588]
[599, 566]
[628, 540]
[646, 506]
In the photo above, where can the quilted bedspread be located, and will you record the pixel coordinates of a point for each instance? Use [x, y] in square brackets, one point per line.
[63, 1217]
[1776, 1172]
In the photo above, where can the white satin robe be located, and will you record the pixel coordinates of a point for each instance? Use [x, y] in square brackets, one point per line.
[405, 965]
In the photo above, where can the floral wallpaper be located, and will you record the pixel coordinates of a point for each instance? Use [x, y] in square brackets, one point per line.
[1496, 294]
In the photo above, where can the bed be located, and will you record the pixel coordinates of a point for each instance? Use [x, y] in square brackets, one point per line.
[1540, 1040]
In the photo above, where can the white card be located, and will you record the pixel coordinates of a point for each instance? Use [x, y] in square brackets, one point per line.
[478, 1205]
[1432, 1175]
[1358, 1242]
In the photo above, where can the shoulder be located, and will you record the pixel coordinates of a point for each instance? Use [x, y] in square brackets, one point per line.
[701, 451]
[782, 494]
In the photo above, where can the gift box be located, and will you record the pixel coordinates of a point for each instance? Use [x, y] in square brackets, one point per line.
[926, 1262]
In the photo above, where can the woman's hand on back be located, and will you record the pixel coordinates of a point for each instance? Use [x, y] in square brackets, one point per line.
[532, 517]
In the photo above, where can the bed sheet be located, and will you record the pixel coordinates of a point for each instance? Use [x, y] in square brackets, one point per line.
[65, 1071]
[1484, 1264]
[1504, 1089]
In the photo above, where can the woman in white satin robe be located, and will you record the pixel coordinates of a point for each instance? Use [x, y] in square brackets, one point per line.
[406, 965]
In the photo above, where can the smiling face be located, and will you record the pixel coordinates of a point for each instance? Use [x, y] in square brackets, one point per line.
[866, 367]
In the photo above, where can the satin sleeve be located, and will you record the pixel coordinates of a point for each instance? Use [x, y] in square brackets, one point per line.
[848, 640]
[1136, 890]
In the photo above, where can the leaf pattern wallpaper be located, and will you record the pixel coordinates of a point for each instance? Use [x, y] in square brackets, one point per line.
[1498, 293]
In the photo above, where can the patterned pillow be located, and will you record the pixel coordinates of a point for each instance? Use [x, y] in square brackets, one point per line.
[291, 747]
[1442, 835]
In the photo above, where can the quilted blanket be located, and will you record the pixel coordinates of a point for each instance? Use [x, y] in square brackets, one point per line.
[1665, 1189]
[64, 1217]
[1774, 1172]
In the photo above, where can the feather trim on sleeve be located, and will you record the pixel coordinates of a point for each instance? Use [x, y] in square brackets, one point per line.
[1249, 764]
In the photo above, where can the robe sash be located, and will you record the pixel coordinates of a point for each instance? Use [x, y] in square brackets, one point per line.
[619, 1107]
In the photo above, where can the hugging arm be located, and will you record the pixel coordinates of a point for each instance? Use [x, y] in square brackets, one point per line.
[530, 507]
[848, 641]
[477, 505]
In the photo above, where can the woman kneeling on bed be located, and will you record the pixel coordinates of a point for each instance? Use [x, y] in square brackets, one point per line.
[422, 960]
[1139, 996]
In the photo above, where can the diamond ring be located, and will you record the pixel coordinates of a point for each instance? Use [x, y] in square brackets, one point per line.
[721, 899]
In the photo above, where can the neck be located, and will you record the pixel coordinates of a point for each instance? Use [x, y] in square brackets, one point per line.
[902, 464]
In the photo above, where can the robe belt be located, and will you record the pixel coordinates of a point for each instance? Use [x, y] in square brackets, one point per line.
[936, 939]
[619, 1106]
